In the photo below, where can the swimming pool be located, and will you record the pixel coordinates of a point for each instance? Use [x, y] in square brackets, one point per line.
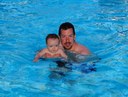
[101, 25]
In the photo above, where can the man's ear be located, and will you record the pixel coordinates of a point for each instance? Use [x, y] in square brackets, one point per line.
[74, 36]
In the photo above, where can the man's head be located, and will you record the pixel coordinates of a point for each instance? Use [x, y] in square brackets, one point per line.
[67, 35]
[65, 26]
[52, 41]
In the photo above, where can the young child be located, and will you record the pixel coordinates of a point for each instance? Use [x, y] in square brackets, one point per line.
[53, 49]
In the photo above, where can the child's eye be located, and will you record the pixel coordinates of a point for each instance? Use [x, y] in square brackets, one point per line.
[56, 45]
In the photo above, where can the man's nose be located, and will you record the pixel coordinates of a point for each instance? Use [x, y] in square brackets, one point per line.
[67, 39]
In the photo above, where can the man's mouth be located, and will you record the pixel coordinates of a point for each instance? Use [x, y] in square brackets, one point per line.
[67, 44]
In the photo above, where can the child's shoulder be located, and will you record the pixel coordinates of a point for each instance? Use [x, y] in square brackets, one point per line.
[60, 50]
[44, 50]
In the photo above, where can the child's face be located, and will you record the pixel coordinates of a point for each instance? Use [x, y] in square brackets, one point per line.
[53, 45]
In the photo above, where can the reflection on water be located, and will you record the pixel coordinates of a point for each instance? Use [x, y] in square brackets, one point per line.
[112, 2]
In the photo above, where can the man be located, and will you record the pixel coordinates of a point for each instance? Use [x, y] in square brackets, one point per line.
[67, 37]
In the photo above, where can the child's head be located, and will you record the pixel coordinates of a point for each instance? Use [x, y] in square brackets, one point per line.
[52, 41]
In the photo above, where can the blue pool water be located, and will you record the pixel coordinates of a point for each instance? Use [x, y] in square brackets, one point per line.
[101, 25]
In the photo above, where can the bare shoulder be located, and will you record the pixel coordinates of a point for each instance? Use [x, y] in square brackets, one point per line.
[83, 49]
[44, 50]
[60, 50]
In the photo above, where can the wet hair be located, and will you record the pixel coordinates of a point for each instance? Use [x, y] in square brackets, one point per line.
[54, 36]
[65, 26]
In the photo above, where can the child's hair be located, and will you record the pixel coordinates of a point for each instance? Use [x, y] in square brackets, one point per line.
[54, 36]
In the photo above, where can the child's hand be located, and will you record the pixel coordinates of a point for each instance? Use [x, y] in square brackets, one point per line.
[35, 60]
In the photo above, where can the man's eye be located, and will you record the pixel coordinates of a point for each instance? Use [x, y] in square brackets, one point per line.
[62, 36]
[70, 35]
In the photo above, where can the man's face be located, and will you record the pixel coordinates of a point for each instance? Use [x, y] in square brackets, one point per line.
[67, 38]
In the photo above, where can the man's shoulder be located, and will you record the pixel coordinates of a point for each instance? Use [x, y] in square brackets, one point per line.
[83, 49]
[80, 46]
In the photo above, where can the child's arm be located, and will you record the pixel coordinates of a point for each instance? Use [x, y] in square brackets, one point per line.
[36, 58]
[63, 54]
[40, 54]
